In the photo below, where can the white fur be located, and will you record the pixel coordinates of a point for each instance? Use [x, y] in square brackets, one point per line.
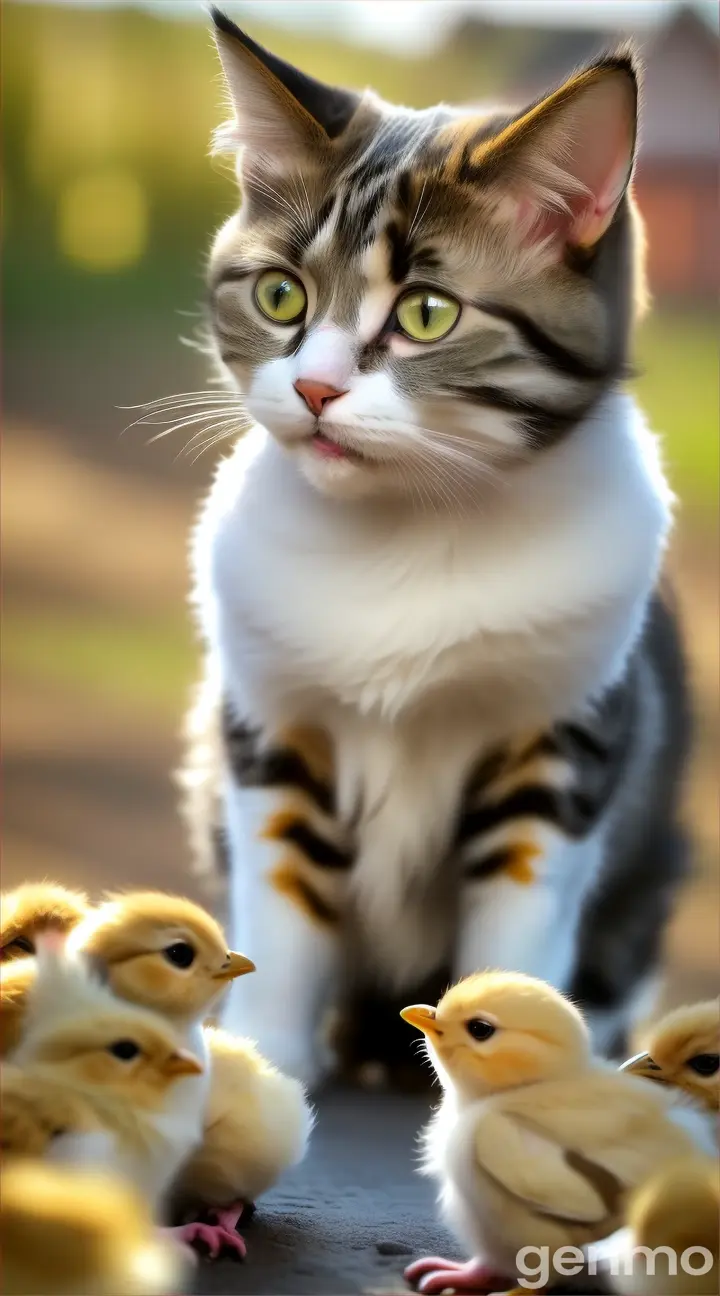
[417, 637]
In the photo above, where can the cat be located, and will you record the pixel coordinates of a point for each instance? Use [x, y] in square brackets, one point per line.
[444, 717]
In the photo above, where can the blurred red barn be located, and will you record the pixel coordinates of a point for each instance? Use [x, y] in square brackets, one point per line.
[677, 175]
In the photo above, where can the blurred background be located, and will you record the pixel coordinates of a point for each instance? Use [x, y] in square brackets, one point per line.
[109, 204]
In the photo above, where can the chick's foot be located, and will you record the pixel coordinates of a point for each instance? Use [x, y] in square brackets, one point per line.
[228, 1217]
[211, 1237]
[433, 1275]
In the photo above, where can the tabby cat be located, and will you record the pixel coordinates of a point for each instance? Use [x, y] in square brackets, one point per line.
[443, 718]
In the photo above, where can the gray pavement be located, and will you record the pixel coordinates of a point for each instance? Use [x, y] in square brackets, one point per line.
[350, 1217]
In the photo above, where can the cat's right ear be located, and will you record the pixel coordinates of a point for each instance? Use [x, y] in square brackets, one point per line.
[278, 111]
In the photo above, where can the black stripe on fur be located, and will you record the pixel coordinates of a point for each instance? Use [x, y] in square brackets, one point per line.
[272, 768]
[558, 356]
[314, 847]
[538, 420]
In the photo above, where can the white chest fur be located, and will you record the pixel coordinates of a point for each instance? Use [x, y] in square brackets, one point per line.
[314, 606]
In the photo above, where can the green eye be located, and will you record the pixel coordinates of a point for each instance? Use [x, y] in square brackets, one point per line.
[280, 296]
[425, 316]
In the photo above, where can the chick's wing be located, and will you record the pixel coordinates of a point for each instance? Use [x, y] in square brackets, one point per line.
[535, 1169]
[618, 1123]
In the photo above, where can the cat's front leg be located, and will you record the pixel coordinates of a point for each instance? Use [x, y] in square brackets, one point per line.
[527, 859]
[289, 865]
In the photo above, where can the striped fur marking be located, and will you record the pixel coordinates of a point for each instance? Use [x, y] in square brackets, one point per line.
[297, 761]
[564, 777]
[289, 880]
[516, 862]
[291, 826]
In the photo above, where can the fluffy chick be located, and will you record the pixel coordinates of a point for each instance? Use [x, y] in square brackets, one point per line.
[166, 953]
[36, 1111]
[535, 1142]
[16, 979]
[679, 1208]
[126, 1064]
[36, 907]
[163, 952]
[80, 1233]
[159, 951]
[683, 1050]
[257, 1124]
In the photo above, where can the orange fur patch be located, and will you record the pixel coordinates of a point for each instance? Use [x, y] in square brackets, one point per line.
[277, 824]
[520, 867]
[313, 746]
[457, 135]
[289, 880]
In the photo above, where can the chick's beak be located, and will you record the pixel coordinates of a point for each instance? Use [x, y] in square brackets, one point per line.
[642, 1065]
[235, 965]
[182, 1063]
[422, 1016]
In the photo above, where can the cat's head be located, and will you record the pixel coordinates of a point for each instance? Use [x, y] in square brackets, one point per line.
[411, 301]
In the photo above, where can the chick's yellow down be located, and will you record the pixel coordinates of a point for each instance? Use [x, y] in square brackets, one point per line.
[683, 1050]
[80, 1233]
[37, 1111]
[535, 1143]
[257, 1124]
[679, 1209]
[36, 907]
[168, 954]
[125, 1064]
[161, 951]
[16, 979]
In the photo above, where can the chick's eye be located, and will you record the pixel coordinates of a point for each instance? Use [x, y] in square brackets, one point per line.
[280, 296]
[705, 1064]
[124, 1050]
[180, 954]
[479, 1029]
[21, 945]
[427, 316]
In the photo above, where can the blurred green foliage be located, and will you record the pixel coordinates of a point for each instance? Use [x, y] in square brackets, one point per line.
[679, 389]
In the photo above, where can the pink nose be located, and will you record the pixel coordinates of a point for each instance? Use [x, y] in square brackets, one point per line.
[316, 394]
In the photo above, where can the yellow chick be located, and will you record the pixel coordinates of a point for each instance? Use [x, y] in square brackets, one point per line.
[124, 1063]
[36, 907]
[168, 954]
[257, 1124]
[37, 1110]
[535, 1143]
[683, 1050]
[16, 978]
[80, 1233]
[163, 952]
[159, 951]
[676, 1217]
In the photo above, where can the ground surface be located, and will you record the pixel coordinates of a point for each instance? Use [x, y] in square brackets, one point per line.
[351, 1217]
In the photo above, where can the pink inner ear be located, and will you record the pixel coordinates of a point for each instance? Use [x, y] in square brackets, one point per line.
[602, 162]
[592, 145]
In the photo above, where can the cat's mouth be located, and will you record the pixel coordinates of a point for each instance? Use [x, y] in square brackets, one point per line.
[329, 448]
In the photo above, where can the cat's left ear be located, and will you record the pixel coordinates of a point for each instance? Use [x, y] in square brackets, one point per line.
[567, 161]
[279, 111]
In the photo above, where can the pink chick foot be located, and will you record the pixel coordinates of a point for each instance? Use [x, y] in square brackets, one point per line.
[433, 1275]
[213, 1236]
[228, 1217]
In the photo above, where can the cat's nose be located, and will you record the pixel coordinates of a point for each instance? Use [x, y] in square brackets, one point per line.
[316, 394]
